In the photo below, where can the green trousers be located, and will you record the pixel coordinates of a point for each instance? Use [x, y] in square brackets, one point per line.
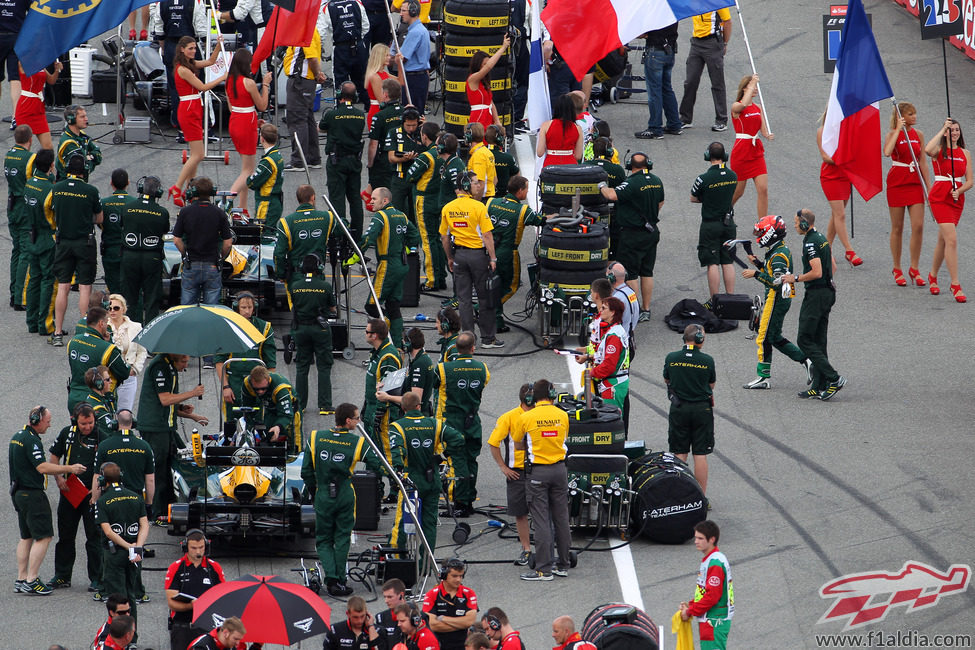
[163, 449]
[112, 267]
[343, 182]
[69, 518]
[434, 257]
[508, 269]
[334, 518]
[120, 576]
[40, 289]
[313, 345]
[141, 277]
[402, 190]
[813, 329]
[770, 335]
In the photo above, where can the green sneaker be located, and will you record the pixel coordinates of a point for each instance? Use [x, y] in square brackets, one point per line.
[812, 393]
[38, 588]
[58, 583]
[97, 596]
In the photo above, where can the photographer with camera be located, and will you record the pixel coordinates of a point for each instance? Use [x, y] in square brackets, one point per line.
[121, 514]
[715, 190]
[638, 202]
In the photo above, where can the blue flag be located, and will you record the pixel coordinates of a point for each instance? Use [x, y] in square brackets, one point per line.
[53, 27]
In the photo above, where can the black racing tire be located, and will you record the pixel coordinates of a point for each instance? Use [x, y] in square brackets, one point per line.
[456, 129]
[574, 251]
[582, 433]
[557, 184]
[569, 281]
[459, 48]
[455, 81]
[642, 633]
[476, 16]
[668, 502]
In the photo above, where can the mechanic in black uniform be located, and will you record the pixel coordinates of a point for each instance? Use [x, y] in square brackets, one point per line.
[191, 575]
[111, 227]
[394, 593]
[121, 514]
[356, 632]
[76, 443]
[350, 54]
[143, 223]
[690, 376]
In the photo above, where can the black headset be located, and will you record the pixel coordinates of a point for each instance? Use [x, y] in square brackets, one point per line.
[247, 294]
[467, 133]
[724, 152]
[444, 328]
[97, 382]
[101, 473]
[698, 334]
[71, 114]
[413, 8]
[113, 423]
[493, 622]
[157, 192]
[408, 342]
[629, 160]
[803, 224]
[530, 395]
[410, 114]
[319, 266]
[185, 542]
[80, 156]
[36, 415]
[453, 564]
[463, 182]
[610, 276]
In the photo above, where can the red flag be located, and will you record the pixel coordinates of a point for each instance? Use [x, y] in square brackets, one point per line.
[287, 28]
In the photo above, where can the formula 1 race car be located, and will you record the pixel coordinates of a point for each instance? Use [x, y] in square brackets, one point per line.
[239, 489]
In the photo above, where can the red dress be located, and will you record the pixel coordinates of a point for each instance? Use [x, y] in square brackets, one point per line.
[30, 106]
[944, 208]
[190, 111]
[903, 185]
[748, 154]
[243, 118]
[480, 100]
[560, 142]
[835, 184]
[373, 100]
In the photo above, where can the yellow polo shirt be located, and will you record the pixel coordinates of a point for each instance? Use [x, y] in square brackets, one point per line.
[544, 430]
[466, 220]
[705, 25]
[481, 162]
[501, 435]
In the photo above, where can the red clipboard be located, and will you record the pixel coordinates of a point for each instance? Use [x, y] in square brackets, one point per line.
[76, 491]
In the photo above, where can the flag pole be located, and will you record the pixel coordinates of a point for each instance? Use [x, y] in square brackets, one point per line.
[917, 165]
[751, 60]
[951, 153]
[399, 50]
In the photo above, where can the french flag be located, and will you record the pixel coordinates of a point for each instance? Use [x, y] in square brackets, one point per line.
[584, 31]
[539, 107]
[851, 132]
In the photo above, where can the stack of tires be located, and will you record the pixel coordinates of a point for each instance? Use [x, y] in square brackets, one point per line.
[618, 626]
[572, 257]
[470, 26]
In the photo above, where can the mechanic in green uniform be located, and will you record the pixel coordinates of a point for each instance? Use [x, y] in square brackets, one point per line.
[144, 224]
[90, 347]
[424, 174]
[267, 179]
[75, 140]
[76, 443]
[28, 472]
[452, 167]
[714, 190]
[817, 277]
[121, 514]
[385, 121]
[232, 369]
[77, 209]
[343, 157]
[133, 455]
[402, 147]
[383, 360]
[422, 376]
[306, 230]
[18, 165]
[460, 385]
[272, 393]
[504, 162]
[713, 605]
[330, 458]
[102, 401]
[313, 303]
[392, 233]
[111, 227]
[448, 326]
[160, 402]
[602, 152]
[770, 233]
[509, 216]
[690, 376]
[40, 287]
[638, 201]
[416, 441]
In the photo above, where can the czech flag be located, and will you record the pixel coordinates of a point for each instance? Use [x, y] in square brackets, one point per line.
[584, 31]
[852, 131]
[539, 107]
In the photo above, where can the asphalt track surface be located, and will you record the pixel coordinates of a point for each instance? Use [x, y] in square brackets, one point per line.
[804, 492]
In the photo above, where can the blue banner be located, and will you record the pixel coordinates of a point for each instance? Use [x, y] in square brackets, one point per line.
[53, 27]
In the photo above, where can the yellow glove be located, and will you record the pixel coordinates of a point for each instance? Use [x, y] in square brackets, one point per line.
[352, 260]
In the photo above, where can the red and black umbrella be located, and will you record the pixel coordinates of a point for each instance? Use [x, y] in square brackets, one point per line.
[272, 609]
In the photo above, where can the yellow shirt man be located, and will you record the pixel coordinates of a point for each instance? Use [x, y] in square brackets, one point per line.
[481, 162]
[544, 430]
[707, 24]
